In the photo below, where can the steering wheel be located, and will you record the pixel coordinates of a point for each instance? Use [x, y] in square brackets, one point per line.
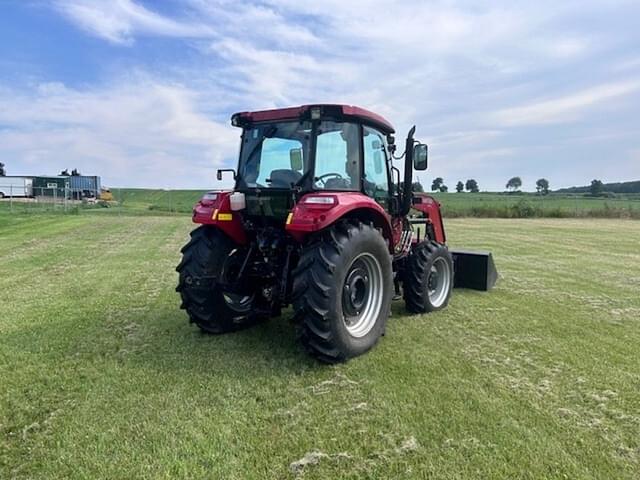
[323, 178]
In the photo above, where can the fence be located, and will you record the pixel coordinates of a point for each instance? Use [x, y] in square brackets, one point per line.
[23, 200]
[20, 199]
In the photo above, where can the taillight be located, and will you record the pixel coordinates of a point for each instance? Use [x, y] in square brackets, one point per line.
[320, 202]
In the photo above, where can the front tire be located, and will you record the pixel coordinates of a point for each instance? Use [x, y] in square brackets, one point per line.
[208, 260]
[428, 277]
[342, 290]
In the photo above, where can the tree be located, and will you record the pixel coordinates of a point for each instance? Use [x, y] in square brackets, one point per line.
[75, 172]
[444, 188]
[415, 187]
[64, 173]
[3, 172]
[514, 183]
[459, 186]
[542, 186]
[472, 186]
[437, 182]
[596, 187]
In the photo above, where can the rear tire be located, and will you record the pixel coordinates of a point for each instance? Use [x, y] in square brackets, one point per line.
[208, 255]
[428, 278]
[342, 290]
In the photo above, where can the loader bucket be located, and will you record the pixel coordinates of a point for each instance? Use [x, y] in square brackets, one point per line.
[474, 270]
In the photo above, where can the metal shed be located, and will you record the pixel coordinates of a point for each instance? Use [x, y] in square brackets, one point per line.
[56, 187]
[84, 186]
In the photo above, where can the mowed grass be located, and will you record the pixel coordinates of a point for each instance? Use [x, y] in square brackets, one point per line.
[101, 376]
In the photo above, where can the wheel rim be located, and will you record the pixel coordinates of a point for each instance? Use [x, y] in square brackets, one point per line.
[362, 295]
[439, 281]
[238, 302]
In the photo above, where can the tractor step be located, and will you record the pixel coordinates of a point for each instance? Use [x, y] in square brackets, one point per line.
[474, 270]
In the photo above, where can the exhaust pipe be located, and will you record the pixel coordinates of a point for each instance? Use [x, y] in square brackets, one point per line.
[474, 270]
[407, 191]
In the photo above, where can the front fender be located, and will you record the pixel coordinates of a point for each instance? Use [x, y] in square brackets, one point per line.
[430, 207]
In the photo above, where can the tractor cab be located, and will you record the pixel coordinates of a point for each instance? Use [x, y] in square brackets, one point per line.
[321, 148]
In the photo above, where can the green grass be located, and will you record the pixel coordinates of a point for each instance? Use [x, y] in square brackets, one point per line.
[523, 205]
[158, 200]
[102, 376]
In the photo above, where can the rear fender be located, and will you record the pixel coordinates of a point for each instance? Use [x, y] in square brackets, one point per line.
[307, 217]
[431, 209]
[218, 213]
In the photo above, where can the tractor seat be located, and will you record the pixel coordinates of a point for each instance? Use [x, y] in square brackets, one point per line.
[283, 178]
[338, 184]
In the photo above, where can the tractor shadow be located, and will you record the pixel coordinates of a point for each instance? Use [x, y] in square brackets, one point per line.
[269, 348]
[161, 339]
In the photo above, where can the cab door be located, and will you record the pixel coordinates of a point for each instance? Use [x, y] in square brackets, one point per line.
[375, 182]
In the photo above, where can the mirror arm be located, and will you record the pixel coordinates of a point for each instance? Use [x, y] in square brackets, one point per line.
[396, 179]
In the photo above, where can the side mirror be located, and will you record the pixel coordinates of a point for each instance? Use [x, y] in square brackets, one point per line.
[295, 159]
[420, 156]
[221, 170]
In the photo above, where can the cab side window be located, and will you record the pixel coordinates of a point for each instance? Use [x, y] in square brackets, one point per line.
[376, 181]
[337, 157]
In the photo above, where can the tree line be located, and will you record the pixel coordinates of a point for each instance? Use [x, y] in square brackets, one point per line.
[65, 173]
[471, 185]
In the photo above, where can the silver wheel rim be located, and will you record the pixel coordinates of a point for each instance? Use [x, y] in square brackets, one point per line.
[439, 281]
[362, 295]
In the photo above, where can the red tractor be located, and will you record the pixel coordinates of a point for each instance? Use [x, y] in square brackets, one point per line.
[319, 220]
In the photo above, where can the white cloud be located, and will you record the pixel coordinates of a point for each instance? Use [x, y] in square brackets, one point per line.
[563, 109]
[136, 132]
[119, 20]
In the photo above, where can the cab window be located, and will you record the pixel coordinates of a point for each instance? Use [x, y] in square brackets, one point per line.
[337, 165]
[376, 181]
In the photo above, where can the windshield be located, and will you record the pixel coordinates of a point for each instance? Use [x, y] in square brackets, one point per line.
[277, 155]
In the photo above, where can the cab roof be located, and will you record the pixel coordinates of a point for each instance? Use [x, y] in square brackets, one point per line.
[303, 112]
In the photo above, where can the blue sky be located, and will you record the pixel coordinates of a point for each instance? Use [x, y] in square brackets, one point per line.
[140, 92]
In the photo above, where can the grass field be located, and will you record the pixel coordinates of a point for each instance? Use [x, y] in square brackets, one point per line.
[524, 205]
[102, 377]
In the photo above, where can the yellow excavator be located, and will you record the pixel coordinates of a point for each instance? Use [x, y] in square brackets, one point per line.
[106, 195]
